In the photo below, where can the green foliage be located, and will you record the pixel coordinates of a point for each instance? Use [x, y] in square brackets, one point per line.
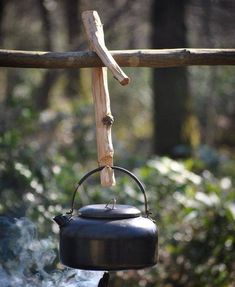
[39, 163]
[193, 207]
[195, 215]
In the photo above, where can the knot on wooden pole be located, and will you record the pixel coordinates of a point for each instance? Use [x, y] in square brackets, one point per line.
[108, 120]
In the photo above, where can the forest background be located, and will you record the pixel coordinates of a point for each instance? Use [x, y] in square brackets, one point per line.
[174, 127]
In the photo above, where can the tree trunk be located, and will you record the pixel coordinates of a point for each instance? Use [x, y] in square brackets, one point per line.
[3, 73]
[170, 85]
[42, 100]
[2, 9]
[210, 96]
[73, 24]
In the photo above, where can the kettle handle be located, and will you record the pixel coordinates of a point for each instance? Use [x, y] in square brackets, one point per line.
[140, 185]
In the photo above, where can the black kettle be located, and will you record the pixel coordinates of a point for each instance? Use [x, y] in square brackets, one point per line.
[108, 236]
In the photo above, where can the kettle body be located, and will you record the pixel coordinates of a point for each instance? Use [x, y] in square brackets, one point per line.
[101, 237]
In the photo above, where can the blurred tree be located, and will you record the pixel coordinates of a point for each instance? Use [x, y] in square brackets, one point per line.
[210, 24]
[2, 7]
[211, 96]
[2, 72]
[73, 24]
[42, 97]
[170, 85]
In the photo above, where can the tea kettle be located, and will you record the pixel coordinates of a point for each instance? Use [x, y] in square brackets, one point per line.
[108, 236]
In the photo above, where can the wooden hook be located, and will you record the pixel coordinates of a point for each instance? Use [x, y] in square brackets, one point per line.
[95, 35]
[104, 118]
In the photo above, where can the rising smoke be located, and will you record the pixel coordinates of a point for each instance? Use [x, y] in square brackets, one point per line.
[25, 260]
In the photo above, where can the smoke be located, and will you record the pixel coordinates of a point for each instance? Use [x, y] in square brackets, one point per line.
[26, 261]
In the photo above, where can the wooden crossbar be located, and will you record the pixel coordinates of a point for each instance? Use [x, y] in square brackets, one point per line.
[161, 58]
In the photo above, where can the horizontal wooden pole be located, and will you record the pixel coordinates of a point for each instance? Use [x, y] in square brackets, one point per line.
[126, 58]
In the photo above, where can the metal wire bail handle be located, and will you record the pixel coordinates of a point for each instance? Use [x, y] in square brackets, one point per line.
[140, 185]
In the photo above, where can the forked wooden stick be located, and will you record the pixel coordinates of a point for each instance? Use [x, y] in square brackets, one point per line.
[95, 34]
[104, 118]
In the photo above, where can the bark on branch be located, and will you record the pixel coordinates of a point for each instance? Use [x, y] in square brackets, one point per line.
[161, 58]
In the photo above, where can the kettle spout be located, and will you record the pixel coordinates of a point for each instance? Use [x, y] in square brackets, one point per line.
[61, 220]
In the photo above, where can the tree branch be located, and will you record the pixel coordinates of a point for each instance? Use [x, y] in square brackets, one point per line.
[126, 58]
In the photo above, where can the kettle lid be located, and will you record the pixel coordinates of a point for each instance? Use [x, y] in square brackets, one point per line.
[118, 211]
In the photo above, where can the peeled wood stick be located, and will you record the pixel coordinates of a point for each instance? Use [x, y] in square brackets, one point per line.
[95, 34]
[103, 115]
[104, 121]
